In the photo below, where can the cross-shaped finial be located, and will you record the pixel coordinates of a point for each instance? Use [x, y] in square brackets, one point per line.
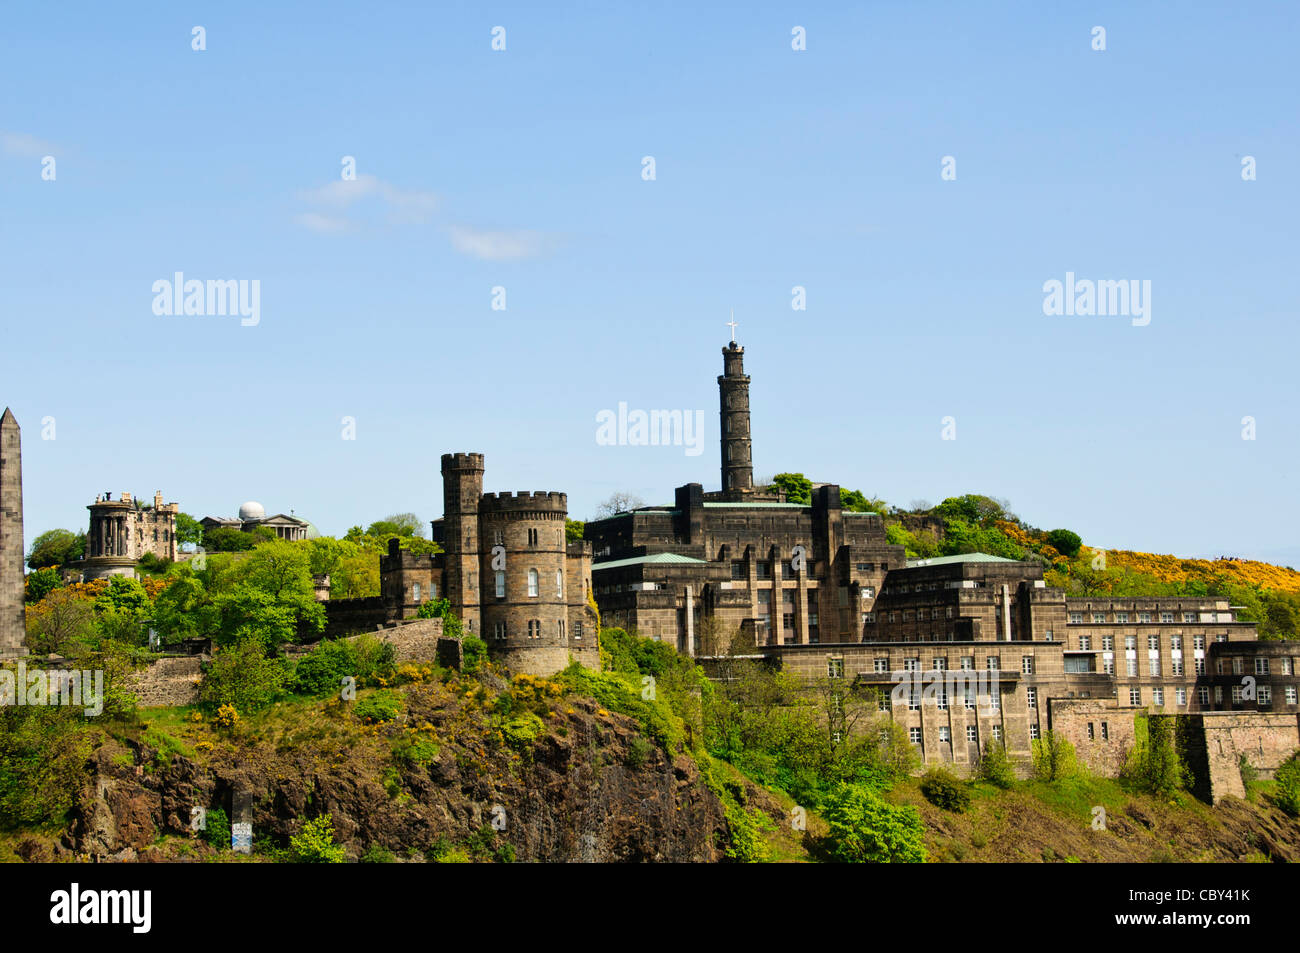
[733, 325]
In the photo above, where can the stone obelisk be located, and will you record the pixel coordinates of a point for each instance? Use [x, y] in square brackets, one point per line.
[13, 617]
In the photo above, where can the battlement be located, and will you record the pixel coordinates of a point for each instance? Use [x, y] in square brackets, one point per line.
[524, 501]
[462, 461]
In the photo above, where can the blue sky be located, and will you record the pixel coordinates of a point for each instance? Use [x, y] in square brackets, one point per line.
[522, 169]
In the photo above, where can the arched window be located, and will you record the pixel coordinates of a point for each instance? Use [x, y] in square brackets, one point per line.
[532, 582]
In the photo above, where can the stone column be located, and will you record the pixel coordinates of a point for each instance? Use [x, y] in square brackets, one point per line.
[13, 616]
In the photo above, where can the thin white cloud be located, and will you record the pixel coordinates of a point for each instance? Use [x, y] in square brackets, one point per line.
[25, 146]
[500, 245]
[328, 224]
[398, 206]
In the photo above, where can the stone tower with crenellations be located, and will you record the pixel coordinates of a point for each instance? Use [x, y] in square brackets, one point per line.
[13, 617]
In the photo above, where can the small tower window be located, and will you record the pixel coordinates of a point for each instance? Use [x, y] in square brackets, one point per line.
[559, 584]
[532, 582]
[501, 585]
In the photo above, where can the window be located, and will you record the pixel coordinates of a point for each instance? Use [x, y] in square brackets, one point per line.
[939, 664]
[1203, 694]
[1166, 617]
[501, 585]
[1285, 668]
[1027, 665]
[993, 664]
[1098, 618]
[1121, 617]
[1144, 617]
[1176, 642]
[532, 582]
[1132, 665]
[1091, 735]
[1033, 731]
[415, 592]
[1218, 694]
[1108, 665]
[1180, 696]
[1200, 666]
[835, 668]
[997, 732]
[1189, 616]
[869, 618]
[945, 734]
[968, 663]
[577, 630]
[1085, 642]
[972, 733]
[914, 735]
[911, 664]
[1177, 666]
[1135, 696]
[1153, 643]
[941, 699]
[1031, 697]
[1198, 642]
[737, 569]
[914, 699]
[882, 701]
[995, 701]
[1236, 694]
[968, 696]
[1158, 697]
[1290, 695]
[532, 537]
[1261, 666]
[880, 664]
[1047, 636]
[764, 569]
[1130, 643]
[1236, 666]
[1155, 664]
[498, 538]
[1264, 695]
[868, 592]
[1076, 618]
[1105, 730]
[499, 630]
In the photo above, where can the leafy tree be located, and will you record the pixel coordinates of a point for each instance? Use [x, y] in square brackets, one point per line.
[618, 502]
[397, 524]
[1065, 542]
[573, 530]
[1054, 757]
[188, 529]
[56, 547]
[270, 594]
[1154, 765]
[797, 487]
[942, 789]
[60, 622]
[865, 828]
[1287, 784]
[224, 539]
[855, 502]
[182, 610]
[241, 675]
[975, 508]
[995, 766]
[41, 583]
[315, 843]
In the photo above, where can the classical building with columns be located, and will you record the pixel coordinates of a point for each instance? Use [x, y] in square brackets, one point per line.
[959, 649]
[123, 530]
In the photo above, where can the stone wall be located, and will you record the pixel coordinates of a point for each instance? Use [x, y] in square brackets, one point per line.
[348, 616]
[1218, 739]
[169, 681]
[416, 640]
[1101, 731]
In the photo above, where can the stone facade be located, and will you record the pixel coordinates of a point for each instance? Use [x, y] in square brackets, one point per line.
[166, 682]
[1220, 740]
[821, 592]
[507, 571]
[123, 530]
[13, 617]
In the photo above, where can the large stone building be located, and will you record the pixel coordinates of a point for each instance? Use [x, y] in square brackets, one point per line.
[252, 516]
[123, 530]
[507, 570]
[13, 618]
[960, 649]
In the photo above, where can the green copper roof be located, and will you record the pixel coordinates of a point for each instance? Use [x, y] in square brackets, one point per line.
[963, 558]
[656, 559]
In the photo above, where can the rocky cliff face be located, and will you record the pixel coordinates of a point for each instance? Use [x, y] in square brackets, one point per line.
[587, 788]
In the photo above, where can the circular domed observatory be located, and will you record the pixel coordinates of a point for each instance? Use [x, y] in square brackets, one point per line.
[252, 510]
[252, 515]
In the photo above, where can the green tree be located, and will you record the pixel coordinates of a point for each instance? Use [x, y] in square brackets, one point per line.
[856, 502]
[41, 583]
[243, 676]
[56, 547]
[182, 610]
[224, 539]
[397, 524]
[315, 843]
[1054, 757]
[865, 828]
[573, 530]
[1065, 542]
[188, 529]
[797, 487]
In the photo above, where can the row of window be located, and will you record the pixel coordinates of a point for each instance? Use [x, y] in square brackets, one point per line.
[1153, 642]
[499, 538]
[500, 630]
[945, 734]
[534, 584]
[1099, 618]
